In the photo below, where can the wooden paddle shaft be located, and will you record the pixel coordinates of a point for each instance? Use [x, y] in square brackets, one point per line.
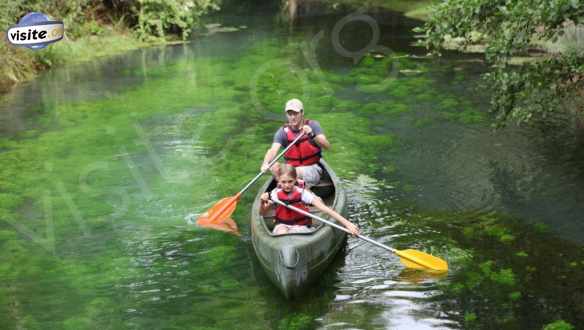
[365, 238]
[271, 163]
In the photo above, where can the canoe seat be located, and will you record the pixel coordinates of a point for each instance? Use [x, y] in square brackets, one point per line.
[323, 189]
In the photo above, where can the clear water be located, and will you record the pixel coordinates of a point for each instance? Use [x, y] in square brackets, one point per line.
[103, 164]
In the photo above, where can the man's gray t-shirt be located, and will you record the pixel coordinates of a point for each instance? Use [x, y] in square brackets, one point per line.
[281, 138]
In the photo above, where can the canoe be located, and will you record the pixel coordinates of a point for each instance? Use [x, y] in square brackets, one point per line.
[294, 261]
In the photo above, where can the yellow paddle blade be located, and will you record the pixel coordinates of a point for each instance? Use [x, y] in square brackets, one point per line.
[420, 260]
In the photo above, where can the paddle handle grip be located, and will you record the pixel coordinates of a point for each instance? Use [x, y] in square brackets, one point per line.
[332, 224]
[271, 163]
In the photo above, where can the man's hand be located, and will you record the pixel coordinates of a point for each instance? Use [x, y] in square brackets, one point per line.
[307, 130]
[270, 155]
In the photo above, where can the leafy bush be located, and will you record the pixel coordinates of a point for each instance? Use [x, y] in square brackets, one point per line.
[72, 12]
[82, 18]
[159, 17]
[509, 28]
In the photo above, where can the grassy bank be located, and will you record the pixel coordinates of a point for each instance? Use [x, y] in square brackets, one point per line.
[24, 64]
[95, 29]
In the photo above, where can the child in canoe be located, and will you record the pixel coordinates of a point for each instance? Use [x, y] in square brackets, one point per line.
[289, 221]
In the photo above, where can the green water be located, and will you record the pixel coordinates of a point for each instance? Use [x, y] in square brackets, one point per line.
[102, 165]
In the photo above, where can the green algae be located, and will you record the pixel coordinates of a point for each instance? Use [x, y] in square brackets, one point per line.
[514, 296]
[447, 103]
[90, 152]
[541, 227]
[499, 232]
[503, 271]
[57, 160]
[558, 325]
[296, 322]
[466, 116]
[470, 318]
[346, 105]
[350, 133]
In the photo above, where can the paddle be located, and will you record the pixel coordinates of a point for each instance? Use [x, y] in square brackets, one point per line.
[218, 216]
[409, 258]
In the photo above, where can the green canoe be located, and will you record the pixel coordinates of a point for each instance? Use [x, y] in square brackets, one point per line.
[294, 261]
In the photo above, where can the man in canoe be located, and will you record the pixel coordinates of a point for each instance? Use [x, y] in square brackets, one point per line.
[306, 153]
[289, 221]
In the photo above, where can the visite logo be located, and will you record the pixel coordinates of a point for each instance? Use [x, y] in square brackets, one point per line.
[35, 30]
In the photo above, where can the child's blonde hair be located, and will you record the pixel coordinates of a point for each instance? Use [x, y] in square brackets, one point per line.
[286, 169]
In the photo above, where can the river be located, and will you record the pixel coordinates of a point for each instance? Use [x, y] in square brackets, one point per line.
[103, 164]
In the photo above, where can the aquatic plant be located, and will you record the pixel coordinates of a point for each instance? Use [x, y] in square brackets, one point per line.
[503, 270]
[558, 325]
[296, 322]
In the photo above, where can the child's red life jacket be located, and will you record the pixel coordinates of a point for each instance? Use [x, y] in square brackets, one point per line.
[285, 215]
[304, 152]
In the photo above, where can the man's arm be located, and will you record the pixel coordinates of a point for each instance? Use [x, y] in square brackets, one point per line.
[322, 141]
[270, 154]
[319, 137]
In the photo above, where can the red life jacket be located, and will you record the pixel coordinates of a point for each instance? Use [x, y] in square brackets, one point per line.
[285, 215]
[304, 152]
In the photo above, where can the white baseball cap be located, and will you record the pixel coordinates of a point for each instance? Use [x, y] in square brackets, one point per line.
[294, 105]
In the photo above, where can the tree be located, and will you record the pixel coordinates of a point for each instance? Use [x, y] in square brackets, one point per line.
[159, 17]
[532, 91]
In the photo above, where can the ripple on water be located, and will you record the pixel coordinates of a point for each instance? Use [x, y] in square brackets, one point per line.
[372, 281]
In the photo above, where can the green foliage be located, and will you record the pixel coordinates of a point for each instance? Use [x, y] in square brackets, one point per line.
[534, 91]
[159, 17]
[153, 17]
[508, 26]
[74, 13]
[84, 19]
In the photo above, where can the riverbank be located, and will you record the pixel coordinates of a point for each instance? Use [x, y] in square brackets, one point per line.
[23, 64]
[95, 29]
[410, 8]
[101, 39]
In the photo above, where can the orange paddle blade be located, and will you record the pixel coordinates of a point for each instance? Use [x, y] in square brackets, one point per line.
[219, 215]
[227, 225]
[420, 260]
